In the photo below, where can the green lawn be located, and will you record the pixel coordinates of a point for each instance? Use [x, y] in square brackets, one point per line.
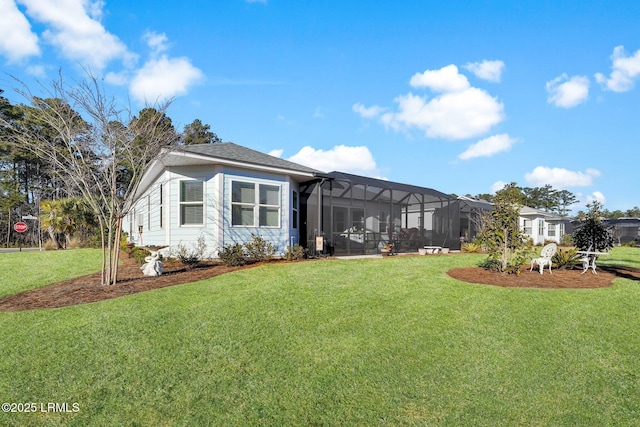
[334, 342]
[21, 271]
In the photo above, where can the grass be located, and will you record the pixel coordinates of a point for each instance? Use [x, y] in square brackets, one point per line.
[22, 271]
[359, 342]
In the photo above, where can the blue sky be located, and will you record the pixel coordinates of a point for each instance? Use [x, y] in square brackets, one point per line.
[460, 96]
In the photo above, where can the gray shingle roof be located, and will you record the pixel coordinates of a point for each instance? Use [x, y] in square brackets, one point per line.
[231, 151]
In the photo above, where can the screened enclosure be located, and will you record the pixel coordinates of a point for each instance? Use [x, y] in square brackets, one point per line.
[356, 215]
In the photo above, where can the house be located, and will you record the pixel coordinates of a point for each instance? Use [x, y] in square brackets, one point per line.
[538, 225]
[224, 192]
[227, 193]
[542, 226]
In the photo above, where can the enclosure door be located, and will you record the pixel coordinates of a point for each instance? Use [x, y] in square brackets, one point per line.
[348, 232]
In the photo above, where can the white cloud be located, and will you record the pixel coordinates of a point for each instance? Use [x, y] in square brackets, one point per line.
[73, 28]
[158, 42]
[456, 115]
[36, 70]
[446, 79]
[368, 112]
[560, 178]
[497, 186]
[487, 70]
[17, 41]
[276, 153]
[596, 196]
[356, 160]
[488, 147]
[568, 92]
[163, 78]
[459, 111]
[625, 70]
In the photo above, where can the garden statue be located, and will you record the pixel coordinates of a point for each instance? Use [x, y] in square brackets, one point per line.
[153, 265]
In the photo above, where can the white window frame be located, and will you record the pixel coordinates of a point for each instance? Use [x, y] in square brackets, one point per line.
[195, 203]
[527, 227]
[295, 202]
[257, 206]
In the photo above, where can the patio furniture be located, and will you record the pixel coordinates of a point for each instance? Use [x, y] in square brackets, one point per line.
[588, 259]
[545, 257]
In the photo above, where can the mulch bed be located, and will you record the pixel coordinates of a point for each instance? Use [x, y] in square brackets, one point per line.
[130, 281]
[559, 279]
[87, 289]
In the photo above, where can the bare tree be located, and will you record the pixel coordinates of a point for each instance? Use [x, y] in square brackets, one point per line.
[97, 146]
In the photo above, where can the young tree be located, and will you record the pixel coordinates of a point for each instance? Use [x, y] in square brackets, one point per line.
[502, 236]
[94, 140]
[592, 234]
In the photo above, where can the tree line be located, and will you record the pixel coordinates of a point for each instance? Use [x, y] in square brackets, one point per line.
[72, 159]
[551, 200]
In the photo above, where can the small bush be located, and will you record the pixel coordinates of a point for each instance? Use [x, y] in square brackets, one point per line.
[490, 264]
[50, 245]
[233, 255]
[191, 257]
[139, 254]
[471, 247]
[295, 253]
[258, 249]
[567, 258]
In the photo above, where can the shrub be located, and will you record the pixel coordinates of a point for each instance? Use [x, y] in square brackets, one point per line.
[295, 252]
[566, 258]
[472, 247]
[490, 264]
[258, 249]
[50, 245]
[233, 255]
[191, 257]
[139, 254]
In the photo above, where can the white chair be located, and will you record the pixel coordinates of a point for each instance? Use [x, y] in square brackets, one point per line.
[545, 257]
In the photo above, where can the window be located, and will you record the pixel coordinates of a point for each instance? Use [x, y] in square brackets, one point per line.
[191, 202]
[243, 199]
[540, 227]
[269, 205]
[526, 225]
[552, 230]
[294, 212]
[245, 205]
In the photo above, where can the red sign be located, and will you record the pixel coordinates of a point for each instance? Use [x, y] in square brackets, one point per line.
[20, 227]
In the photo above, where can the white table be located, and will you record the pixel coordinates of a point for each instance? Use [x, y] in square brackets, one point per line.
[589, 260]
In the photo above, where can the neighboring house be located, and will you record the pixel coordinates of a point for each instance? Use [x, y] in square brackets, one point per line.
[625, 230]
[471, 211]
[538, 225]
[542, 226]
[224, 192]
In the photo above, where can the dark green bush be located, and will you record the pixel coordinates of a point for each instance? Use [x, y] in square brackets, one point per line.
[233, 255]
[258, 249]
[295, 252]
